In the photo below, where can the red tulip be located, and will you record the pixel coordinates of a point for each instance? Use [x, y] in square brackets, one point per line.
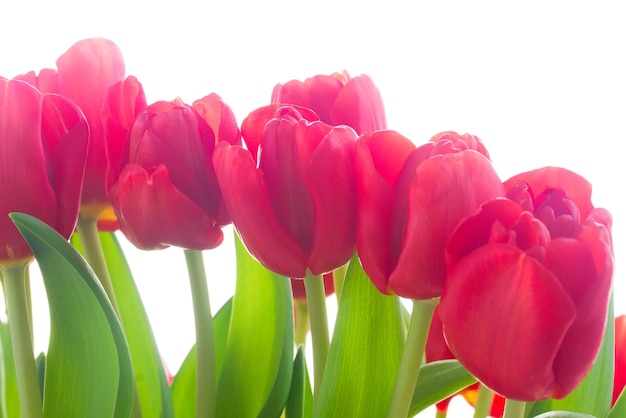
[43, 143]
[293, 205]
[338, 99]
[525, 301]
[619, 381]
[165, 191]
[409, 202]
[85, 72]
[299, 292]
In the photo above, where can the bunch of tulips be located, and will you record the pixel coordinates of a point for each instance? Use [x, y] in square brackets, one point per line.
[509, 282]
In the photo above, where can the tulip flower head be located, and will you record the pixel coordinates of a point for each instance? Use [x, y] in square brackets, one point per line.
[338, 99]
[291, 194]
[84, 74]
[528, 285]
[165, 191]
[409, 202]
[43, 144]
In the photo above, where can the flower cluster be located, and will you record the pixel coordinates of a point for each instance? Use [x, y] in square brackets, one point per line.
[516, 274]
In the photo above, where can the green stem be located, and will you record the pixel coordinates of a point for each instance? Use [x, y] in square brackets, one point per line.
[412, 355]
[206, 382]
[88, 231]
[316, 299]
[441, 414]
[29, 302]
[483, 402]
[302, 322]
[19, 324]
[514, 409]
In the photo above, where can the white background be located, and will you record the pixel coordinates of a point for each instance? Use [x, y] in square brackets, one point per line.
[541, 83]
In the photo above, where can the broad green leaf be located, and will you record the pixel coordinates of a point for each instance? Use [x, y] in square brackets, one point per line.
[10, 402]
[437, 381]
[88, 368]
[619, 409]
[184, 384]
[280, 392]
[300, 401]
[152, 386]
[255, 348]
[364, 353]
[593, 395]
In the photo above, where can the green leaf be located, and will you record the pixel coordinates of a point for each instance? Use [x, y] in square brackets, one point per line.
[300, 401]
[593, 395]
[10, 402]
[364, 353]
[152, 386]
[280, 392]
[260, 328]
[88, 368]
[619, 409]
[437, 381]
[184, 384]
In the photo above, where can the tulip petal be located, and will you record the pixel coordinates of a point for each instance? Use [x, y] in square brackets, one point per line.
[219, 117]
[447, 188]
[124, 101]
[25, 174]
[245, 195]
[388, 150]
[86, 71]
[159, 213]
[331, 183]
[65, 131]
[620, 356]
[359, 105]
[374, 218]
[572, 262]
[504, 317]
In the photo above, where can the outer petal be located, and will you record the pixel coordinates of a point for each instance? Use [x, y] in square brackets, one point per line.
[359, 105]
[24, 173]
[86, 72]
[246, 198]
[380, 159]
[447, 188]
[374, 218]
[220, 118]
[124, 101]
[330, 179]
[512, 351]
[66, 135]
[572, 262]
[154, 214]
[620, 356]
[578, 189]
[389, 151]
